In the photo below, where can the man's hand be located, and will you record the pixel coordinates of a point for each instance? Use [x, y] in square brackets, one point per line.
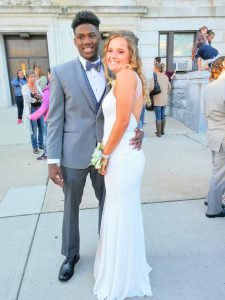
[55, 173]
[136, 141]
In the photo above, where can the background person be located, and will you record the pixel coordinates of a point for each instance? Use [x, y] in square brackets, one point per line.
[41, 80]
[214, 99]
[32, 96]
[17, 84]
[169, 74]
[43, 111]
[210, 36]
[201, 39]
[161, 99]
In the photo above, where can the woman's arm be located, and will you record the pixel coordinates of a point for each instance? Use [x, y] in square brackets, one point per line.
[124, 91]
[43, 108]
[15, 83]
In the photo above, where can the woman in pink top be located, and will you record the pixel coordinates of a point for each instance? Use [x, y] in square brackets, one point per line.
[43, 111]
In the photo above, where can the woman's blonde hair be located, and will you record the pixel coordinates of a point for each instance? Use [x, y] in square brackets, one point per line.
[135, 61]
[160, 67]
[218, 66]
[38, 71]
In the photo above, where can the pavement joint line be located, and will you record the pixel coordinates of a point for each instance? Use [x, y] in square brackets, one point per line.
[195, 140]
[31, 244]
[172, 201]
[18, 144]
[147, 136]
[90, 208]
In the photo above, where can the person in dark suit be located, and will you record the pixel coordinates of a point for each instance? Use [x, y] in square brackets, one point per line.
[75, 126]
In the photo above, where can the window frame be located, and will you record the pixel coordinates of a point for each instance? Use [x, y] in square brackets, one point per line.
[170, 45]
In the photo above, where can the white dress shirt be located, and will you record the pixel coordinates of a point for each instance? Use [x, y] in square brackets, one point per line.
[96, 79]
[97, 82]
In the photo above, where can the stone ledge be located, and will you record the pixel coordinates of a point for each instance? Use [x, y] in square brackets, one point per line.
[186, 12]
[192, 75]
[71, 10]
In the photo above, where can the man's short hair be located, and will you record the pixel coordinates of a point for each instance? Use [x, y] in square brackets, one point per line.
[158, 59]
[210, 32]
[85, 17]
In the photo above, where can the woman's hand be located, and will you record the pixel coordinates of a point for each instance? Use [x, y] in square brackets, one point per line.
[105, 161]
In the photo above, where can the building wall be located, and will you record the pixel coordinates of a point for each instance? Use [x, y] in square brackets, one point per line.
[144, 17]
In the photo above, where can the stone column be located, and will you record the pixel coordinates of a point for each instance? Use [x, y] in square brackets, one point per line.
[60, 43]
[5, 99]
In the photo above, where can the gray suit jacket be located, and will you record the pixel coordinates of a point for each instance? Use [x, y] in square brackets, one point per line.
[74, 127]
[214, 97]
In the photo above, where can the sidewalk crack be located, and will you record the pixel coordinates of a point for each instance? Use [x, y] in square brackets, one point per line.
[30, 248]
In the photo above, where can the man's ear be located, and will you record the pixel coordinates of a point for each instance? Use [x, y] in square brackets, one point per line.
[74, 41]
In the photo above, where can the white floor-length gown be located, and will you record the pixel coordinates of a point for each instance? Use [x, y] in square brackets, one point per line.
[121, 269]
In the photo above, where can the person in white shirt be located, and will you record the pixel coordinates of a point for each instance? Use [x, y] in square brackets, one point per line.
[214, 98]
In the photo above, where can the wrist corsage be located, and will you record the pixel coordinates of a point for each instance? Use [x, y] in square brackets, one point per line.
[96, 159]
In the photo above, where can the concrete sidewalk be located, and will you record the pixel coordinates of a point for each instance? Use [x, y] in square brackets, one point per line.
[185, 249]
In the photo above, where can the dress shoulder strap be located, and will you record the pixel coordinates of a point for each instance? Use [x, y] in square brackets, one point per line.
[139, 86]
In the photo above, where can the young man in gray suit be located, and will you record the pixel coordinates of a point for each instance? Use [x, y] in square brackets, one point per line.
[75, 125]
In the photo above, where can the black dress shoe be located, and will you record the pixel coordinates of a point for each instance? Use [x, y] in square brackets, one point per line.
[67, 269]
[206, 204]
[221, 215]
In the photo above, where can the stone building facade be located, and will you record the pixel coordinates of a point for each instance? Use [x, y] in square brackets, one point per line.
[38, 31]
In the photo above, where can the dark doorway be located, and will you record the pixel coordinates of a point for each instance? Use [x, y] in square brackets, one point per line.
[25, 51]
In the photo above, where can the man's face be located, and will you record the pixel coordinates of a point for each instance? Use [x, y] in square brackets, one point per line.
[210, 37]
[86, 39]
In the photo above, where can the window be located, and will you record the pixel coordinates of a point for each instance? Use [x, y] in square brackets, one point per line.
[183, 43]
[175, 49]
[163, 47]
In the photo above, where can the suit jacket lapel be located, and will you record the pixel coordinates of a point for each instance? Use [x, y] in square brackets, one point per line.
[82, 83]
[107, 89]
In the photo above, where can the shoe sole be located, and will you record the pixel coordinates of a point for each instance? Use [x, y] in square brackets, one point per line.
[42, 158]
[215, 216]
[63, 280]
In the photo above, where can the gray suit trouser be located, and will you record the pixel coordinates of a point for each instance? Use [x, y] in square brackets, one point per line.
[74, 182]
[217, 183]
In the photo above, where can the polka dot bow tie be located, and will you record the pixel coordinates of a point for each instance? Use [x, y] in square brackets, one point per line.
[96, 66]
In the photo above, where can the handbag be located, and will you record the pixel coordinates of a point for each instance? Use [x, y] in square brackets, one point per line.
[150, 105]
[157, 89]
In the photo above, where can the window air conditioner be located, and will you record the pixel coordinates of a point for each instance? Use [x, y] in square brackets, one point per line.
[181, 66]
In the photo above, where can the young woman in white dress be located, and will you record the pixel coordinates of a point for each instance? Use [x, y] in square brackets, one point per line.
[121, 269]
